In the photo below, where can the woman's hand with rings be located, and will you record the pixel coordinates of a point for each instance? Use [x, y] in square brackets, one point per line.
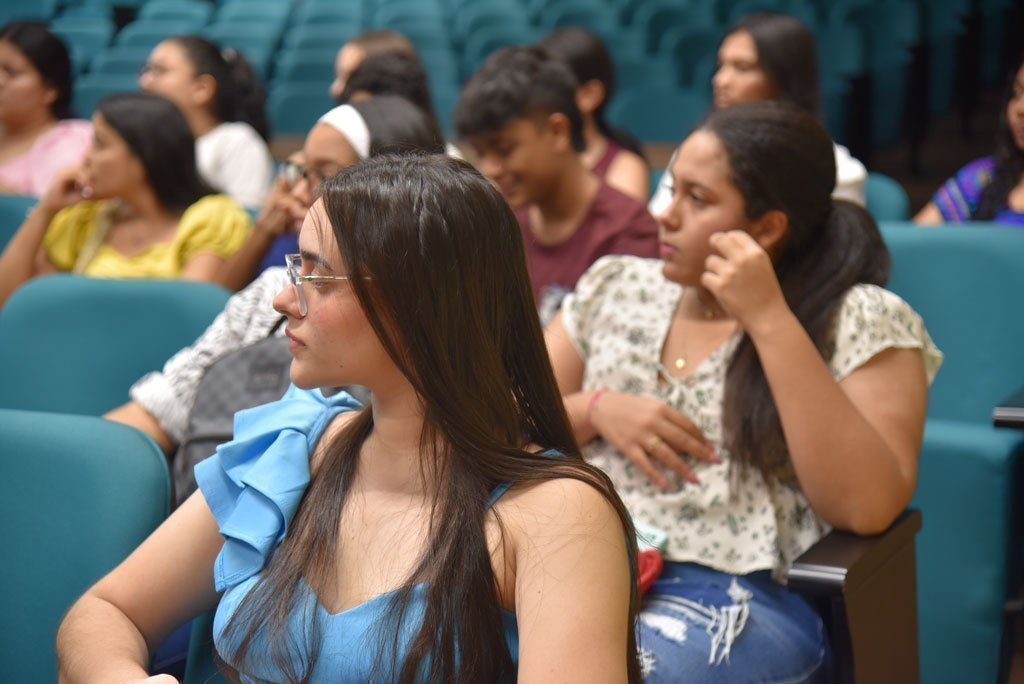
[651, 434]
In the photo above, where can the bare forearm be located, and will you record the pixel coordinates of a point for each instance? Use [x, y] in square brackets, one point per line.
[139, 418]
[98, 643]
[578, 405]
[240, 268]
[18, 260]
[851, 476]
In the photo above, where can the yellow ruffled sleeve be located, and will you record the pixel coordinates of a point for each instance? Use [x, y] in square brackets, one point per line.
[69, 231]
[216, 224]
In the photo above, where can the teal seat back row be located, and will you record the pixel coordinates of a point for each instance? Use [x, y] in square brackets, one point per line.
[886, 198]
[966, 282]
[79, 494]
[13, 209]
[75, 345]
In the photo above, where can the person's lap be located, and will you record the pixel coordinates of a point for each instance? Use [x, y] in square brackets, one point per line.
[701, 625]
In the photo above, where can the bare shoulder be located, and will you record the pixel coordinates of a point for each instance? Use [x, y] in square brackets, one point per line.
[560, 505]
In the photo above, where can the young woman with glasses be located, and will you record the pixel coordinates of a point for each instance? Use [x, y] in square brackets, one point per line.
[447, 531]
[340, 138]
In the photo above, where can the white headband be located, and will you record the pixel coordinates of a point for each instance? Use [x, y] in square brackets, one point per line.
[350, 124]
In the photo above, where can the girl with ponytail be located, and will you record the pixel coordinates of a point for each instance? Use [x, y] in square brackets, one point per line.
[612, 154]
[222, 99]
[747, 392]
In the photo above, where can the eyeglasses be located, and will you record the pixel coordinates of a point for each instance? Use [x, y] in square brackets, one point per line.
[293, 262]
[293, 172]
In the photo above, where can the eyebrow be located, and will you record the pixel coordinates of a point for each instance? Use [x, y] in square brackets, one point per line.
[315, 259]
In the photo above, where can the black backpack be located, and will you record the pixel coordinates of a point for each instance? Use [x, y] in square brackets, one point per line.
[240, 379]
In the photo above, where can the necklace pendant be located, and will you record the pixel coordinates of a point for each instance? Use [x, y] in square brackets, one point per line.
[680, 363]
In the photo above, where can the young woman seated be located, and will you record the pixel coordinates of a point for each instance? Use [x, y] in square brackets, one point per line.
[746, 392]
[447, 531]
[38, 137]
[135, 208]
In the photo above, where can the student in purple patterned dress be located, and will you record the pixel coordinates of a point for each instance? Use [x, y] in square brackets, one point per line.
[610, 153]
[990, 188]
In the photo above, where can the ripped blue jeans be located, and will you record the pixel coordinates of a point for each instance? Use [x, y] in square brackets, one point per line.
[701, 625]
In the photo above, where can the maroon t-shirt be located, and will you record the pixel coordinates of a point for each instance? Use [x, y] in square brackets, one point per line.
[615, 224]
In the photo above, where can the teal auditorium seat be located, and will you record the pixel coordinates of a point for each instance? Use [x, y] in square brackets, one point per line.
[966, 283]
[12, 214]
[91, 88]
[886, 198]
[658, 114]
[75, 345]
[80, 493]
[294, 107]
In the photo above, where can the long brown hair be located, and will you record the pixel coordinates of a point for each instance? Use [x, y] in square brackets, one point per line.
[450, 301]
[780, 158]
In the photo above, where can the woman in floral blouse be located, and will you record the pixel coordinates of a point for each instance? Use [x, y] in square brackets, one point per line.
[747, 392]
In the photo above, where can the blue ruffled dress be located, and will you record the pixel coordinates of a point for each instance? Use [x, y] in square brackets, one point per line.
[253, 484]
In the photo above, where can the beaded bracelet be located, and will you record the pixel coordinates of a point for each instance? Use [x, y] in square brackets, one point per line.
[593, 401]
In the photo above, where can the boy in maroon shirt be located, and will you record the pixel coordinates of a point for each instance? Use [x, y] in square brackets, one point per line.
[519, 114]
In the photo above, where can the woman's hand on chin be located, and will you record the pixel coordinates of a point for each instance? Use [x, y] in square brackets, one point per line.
[740, 275]
[68, 187]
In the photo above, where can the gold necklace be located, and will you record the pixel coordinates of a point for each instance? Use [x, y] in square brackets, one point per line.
[708, 314]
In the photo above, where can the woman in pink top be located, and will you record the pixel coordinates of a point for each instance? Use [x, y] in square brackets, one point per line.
[37, 137]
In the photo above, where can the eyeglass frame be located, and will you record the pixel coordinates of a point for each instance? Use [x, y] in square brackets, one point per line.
[297, 279]
[293, 172]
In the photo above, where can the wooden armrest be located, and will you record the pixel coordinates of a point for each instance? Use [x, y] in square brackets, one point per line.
[843, 562]
[865, 590]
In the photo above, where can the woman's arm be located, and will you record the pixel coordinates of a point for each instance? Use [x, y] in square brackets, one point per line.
[108, 634]
[854, 443]
[647, 431]
[572, 584]
[24, 257]
[134, 414]
[278, 216]
[629, 174]
[929, 215]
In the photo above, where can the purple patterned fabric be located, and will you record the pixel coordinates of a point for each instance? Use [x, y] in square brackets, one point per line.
[959, 196]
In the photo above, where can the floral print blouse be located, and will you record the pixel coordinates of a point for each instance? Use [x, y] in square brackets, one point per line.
[733, 521]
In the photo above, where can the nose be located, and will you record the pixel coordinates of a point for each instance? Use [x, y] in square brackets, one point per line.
[667, 215]
[336, 88]
[490, 166]
[302, 192]
[286, 302]
[721, 78]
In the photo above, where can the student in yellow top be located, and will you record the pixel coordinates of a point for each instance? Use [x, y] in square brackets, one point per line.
[135, 208]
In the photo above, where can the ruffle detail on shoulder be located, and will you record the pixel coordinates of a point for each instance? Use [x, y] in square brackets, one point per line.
[253, 484]
[871, 320]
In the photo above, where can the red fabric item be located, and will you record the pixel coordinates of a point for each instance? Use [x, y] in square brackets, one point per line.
[648, 565]
[614, 224]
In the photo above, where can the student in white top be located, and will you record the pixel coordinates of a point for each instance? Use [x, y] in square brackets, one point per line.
[768, 56]
[223, 102]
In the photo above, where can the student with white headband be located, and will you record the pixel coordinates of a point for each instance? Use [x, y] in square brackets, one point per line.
[161, 401]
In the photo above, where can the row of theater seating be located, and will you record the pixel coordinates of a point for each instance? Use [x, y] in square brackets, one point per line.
[664, 49]
[69, 526]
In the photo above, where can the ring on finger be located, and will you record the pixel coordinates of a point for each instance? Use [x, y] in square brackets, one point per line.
[653, 443]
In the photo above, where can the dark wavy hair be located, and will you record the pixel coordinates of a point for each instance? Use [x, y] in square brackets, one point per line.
[588, 57]
[240, 94]
[48, 56]
[786, 52]
[518, 82]
[1008, 160]
[157, 133]
[781, 159]
[398, 126]
[450, 301]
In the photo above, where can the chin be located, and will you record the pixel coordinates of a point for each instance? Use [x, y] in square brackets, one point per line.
[677, 275]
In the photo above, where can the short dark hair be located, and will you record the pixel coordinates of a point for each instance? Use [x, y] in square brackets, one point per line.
[398, 126]
[517, 82]
[786, 52]
[391, 73]
[383, 41]
[240, 95]
[48, 56]
[157, 133]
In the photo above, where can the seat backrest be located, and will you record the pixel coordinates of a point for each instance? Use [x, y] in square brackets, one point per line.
[13, 209]
[79, 494]
[73, 344]
[886, 198]
[658, 114]
[966, 282]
